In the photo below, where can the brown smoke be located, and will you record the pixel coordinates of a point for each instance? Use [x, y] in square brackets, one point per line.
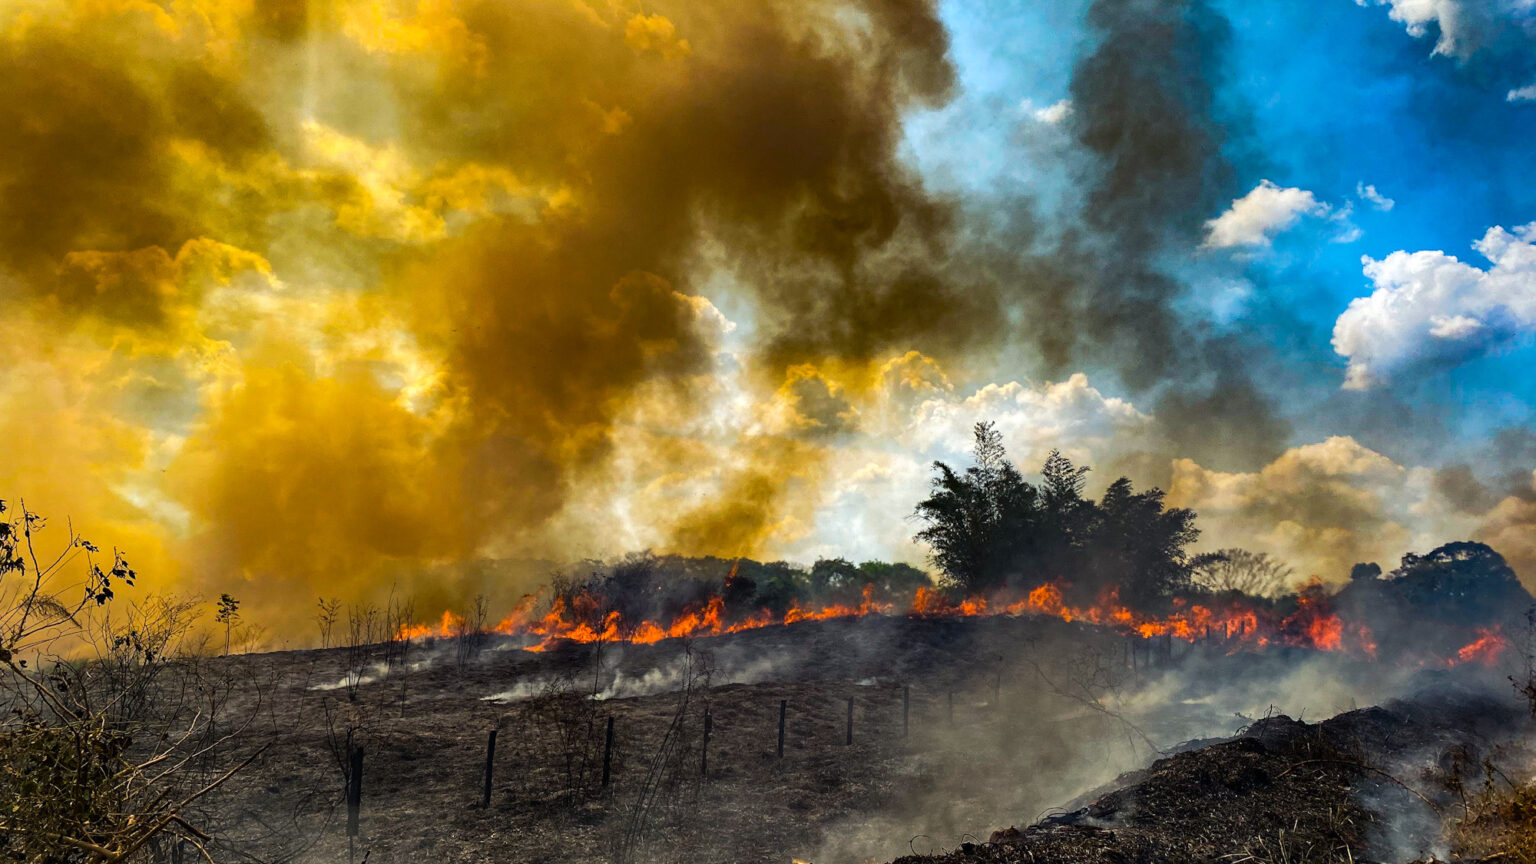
[343, 296]
[375, 284]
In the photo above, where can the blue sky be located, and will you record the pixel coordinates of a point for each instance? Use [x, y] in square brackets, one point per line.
[1335, 95]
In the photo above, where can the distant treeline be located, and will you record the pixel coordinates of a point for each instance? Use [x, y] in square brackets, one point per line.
[991, 533]
[661, 587]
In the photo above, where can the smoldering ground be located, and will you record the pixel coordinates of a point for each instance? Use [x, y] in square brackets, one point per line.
[1006, 720]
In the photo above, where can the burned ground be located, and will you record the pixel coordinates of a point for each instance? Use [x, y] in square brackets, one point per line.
[1042, 710]
[1284, 791]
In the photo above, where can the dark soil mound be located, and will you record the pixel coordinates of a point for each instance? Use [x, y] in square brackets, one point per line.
[1365, 785]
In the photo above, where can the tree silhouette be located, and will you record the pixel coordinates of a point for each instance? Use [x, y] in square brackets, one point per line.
[1137, 544]
[228, 614]
[988, 529]
[1253, 573]
[969, 515]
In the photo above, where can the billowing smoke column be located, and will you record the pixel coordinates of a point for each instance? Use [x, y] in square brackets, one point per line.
[324, 294]
[351, 298]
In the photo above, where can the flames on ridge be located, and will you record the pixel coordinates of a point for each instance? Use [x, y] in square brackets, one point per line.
[1486, 649]
[1236, 624]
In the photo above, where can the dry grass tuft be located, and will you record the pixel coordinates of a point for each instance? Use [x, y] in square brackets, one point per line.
[1500, 825]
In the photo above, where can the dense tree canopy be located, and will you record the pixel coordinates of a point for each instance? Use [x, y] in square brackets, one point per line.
[989, 528]
[646, 587]
[1460, 582]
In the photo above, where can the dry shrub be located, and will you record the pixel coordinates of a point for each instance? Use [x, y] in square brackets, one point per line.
[1499, 822]
[105, 736]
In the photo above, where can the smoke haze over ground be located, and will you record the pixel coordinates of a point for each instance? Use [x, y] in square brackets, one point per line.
[1008, 720]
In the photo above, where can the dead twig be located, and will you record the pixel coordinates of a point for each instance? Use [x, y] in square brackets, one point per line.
[1416, 793]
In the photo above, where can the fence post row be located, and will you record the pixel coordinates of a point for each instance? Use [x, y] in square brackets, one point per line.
[354, 785]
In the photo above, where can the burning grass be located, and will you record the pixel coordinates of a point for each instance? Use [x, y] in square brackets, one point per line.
[1306, 620]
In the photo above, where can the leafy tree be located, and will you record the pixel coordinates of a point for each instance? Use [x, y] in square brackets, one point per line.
[977, 521]
[780, 586]
[988, 528]
[836, 580]
[1365, 571]
[1064, 511]
[1137, 544]
[739, 591]
[893, 580]
[1461, 581]
[1434, 603]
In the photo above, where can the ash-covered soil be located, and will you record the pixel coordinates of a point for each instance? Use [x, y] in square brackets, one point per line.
[1042, 713]
[1377, 784]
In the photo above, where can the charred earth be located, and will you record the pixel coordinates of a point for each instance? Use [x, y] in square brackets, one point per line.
[960, 727]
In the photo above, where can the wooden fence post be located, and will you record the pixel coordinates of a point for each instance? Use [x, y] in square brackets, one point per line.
[354, 790]
[709, 725]
[490, 767]
[783, 707]
[906, 709]
[608, 752]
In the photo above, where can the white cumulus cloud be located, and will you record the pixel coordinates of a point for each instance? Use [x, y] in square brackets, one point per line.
[1418, 15]
[1430, 309]
[1463, 26]
[1369, 194]
[1255, 218]
[1055, 113]
[1034, 418]
[1051, 115]
[1523, 94]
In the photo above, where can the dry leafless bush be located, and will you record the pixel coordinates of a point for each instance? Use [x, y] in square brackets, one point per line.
[363, 634]
[102, 751]
[327, 614]
[662, 797]
[470, 632]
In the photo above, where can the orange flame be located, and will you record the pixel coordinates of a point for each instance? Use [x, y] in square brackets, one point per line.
[587, 617]
[1490, 643]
